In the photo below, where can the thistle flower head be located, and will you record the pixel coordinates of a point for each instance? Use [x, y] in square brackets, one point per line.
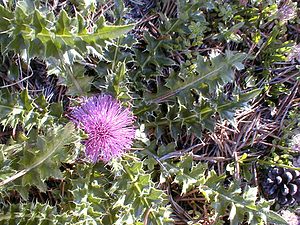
[109, 127]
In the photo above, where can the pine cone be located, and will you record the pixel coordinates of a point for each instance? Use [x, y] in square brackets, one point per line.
[283, 185]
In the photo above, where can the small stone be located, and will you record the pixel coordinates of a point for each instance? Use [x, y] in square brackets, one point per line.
[290, 217]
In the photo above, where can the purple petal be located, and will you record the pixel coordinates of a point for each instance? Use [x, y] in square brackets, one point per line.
[109, 127]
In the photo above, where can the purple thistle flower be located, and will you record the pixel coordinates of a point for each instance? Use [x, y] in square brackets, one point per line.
[109, 127]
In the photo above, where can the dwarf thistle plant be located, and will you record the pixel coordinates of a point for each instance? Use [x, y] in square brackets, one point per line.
[70, 164]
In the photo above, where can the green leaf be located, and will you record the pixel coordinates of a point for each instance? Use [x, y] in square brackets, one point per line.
[119, 77]
[51, 49]
[219, 72]
[140, 195]
[21, 109]
[27, 102]
[52, 146]
[274, 217]
[188, 173]
[63, 25]
[5, 19]
[28, 26]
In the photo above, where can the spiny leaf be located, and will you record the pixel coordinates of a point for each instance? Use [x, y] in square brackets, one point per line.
[240, 205]
[22, 109]
[190, 174]
[5, 18]
[140, 195]
[49, 149]
[214, 73]
[57, 35]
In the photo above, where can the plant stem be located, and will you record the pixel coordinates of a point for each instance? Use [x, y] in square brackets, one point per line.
[115, 55]
[278, 165]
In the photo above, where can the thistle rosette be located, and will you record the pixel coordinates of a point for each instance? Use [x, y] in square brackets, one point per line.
[109, 127]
